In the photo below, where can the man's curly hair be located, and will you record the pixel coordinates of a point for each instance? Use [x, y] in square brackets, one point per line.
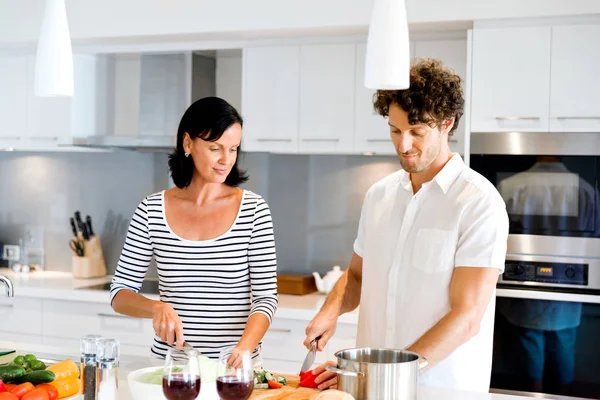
[435, 94]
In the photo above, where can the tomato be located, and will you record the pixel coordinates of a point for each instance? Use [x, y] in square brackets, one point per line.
[9, 386]
[274, 385]
[21, 389]
[8, 396]
[52, 391]
[36, 394]
[2, 387]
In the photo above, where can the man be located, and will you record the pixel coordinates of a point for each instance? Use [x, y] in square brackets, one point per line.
[431, 243]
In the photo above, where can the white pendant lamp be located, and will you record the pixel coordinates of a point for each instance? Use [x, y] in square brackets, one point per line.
[54, 59]
[388, 47]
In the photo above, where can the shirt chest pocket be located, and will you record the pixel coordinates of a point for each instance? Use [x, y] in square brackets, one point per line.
[434, 250]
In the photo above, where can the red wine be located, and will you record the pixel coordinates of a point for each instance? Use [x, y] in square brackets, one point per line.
[231, 388]
[181, 387]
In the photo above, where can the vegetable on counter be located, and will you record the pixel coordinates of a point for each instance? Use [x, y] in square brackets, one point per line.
[266, 380]
[307, 380]
[2, 387]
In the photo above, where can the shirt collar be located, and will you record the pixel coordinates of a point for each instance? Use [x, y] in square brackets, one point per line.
[444, 179]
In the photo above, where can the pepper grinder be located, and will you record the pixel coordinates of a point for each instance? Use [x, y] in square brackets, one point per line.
[89, 347]
[108, 369]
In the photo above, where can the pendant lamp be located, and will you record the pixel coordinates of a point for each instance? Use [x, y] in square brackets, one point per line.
[388, 47]
[54, 58]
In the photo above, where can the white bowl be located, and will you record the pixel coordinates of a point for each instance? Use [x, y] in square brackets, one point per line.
[149, 391]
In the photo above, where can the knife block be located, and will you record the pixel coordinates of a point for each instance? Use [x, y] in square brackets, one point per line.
[92, 264]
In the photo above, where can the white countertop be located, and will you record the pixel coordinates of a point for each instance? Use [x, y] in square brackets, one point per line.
[62, 286]
[208, 392]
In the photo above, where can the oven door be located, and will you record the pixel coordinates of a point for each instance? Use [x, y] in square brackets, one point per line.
[546, 335]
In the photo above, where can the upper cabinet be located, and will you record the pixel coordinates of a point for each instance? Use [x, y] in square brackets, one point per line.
[536, 79]
[510, 79]
[13, 98]
[327, 98]
[575, 81]
[270, 98]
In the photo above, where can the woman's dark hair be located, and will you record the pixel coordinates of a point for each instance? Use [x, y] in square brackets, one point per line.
[206, 119]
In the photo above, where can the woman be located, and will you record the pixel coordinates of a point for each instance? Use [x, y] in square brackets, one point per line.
[212, 241]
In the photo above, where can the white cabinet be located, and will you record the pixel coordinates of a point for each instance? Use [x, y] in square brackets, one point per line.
[453, 54]
[371, 130]
[510, 79]
[344, 338]
[13, 98]
[326, 98]
[270, 98]
[575, 83]
[20, 316]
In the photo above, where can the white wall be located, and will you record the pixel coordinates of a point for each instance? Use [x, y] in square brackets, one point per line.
[97, 20]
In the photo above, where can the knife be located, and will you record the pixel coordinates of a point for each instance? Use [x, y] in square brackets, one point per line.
[88, 221]
[73, 227]
[310, 357]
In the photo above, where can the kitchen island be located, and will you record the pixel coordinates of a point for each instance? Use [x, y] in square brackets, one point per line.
[131, 363]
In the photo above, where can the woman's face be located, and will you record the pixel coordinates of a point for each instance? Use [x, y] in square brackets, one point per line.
[213, 160]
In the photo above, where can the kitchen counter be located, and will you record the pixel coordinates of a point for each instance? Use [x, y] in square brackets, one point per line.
[62, 286]
[208, 392]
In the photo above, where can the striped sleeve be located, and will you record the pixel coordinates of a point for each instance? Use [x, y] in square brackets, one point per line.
[262, 262]
[136, 254]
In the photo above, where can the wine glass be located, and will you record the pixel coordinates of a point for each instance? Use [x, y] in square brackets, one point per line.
[235, 383]
[181, 375]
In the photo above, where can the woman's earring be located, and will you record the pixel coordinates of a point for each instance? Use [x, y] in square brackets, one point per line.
[187, 154]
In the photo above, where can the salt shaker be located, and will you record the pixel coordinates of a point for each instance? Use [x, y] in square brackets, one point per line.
[108, 369]
[88, 347]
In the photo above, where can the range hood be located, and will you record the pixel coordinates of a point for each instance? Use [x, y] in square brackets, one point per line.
[136, 143]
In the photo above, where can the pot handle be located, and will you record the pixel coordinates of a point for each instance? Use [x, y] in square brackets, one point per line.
[344, 372]
[423, 363]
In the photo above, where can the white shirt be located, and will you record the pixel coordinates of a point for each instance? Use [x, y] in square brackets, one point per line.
[410, 244]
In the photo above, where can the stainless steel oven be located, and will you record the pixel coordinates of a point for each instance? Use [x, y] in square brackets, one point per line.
[547, 324]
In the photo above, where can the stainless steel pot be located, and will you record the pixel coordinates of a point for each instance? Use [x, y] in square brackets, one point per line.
[376, 374]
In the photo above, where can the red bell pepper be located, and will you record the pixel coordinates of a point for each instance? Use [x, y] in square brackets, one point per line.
[307, 380]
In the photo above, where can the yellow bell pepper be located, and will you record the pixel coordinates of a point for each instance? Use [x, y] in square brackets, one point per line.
[67, 387]
[64, 369]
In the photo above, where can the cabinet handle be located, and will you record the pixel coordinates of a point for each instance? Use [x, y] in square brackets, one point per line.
[517, 118]
[453, 140]
[273, 140]
[280, 330]
[48, 138]
[320, 140]
[379, 140]
[114, 316]
[10, 138]
[7, 305]
[589, 117]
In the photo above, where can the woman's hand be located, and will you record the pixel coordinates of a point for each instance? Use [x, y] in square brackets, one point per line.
[325, 379]
[167, 325]
[236, 357]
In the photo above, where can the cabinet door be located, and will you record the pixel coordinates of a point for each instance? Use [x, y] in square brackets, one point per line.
[49, 118]
[327, 98]
[372, 132]
[270, 92]
[20, 315]
[13, 97]
[511, 79]
[574, 100]
[453, 54]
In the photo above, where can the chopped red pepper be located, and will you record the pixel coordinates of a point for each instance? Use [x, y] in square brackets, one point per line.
[274, 385]
[307, 380]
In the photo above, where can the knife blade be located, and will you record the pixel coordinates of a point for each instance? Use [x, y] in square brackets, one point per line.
[310, 357]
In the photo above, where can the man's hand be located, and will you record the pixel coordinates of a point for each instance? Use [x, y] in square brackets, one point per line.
[325, 379]
[323, 325]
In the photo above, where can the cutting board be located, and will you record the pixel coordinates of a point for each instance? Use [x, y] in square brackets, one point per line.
[291, 391]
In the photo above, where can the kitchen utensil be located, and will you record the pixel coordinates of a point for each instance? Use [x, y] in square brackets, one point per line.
[88, 222]
[310, 357]
[73, 227]
[78, 246]
[372, 373]
[82, 226]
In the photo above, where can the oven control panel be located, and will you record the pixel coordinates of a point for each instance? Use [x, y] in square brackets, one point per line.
[546, 272]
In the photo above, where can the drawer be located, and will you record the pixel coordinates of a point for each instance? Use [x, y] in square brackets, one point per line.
[64, 319]
[20, 338]
[21, 315]
[284, 341]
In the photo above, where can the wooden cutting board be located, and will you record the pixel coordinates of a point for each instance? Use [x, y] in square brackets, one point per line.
[291, 391]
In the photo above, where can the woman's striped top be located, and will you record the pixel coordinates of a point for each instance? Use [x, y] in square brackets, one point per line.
[213, 285]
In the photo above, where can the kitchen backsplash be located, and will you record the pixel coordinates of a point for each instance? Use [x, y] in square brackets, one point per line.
[315, 200]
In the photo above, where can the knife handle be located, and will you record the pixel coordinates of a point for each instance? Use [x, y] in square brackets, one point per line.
[88, 222]
[73, 227]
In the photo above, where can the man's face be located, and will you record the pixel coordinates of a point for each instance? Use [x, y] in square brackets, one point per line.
[417, 145]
